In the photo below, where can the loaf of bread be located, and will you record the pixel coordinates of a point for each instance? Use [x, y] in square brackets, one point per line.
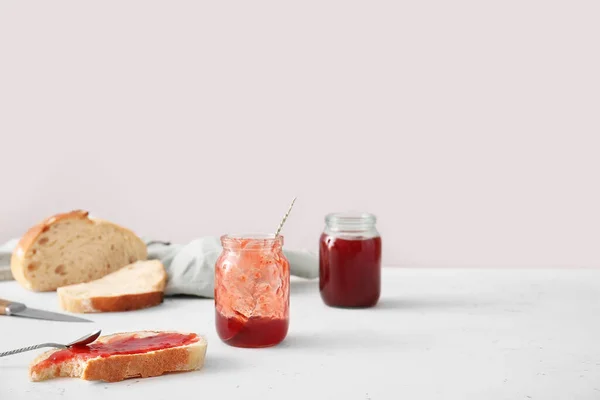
[135, 286]
[73, 248]
[121, 356]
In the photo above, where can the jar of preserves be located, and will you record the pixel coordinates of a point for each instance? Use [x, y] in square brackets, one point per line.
[350, 260]
[252, 291]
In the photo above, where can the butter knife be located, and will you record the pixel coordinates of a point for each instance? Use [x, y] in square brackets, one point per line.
[12, 308]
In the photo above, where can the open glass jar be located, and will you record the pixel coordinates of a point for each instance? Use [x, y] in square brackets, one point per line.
[350, 260]
[252, 291]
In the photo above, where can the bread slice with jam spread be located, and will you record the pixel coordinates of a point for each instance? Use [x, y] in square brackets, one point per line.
[120, 356]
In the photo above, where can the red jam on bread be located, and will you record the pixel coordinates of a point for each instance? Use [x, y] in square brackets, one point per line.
[120, 345]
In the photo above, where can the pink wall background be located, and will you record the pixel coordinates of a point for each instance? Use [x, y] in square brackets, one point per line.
[471, 129]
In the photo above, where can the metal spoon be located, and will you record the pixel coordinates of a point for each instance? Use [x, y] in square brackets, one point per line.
[82, 341]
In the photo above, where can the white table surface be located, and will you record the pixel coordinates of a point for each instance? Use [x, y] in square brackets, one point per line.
[436, 334]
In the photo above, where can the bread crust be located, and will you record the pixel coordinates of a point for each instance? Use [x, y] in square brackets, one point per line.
[126, 302]
[119, 367]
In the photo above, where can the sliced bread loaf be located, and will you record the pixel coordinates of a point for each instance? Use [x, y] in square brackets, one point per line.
[73, 248]
[121, 356]
[135, 286]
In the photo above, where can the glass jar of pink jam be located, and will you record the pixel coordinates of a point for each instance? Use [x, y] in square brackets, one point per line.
[252, 291]
[350, 260]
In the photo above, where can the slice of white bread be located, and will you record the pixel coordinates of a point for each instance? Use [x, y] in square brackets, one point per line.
[138, 285]
[117, 367]
[73, 248]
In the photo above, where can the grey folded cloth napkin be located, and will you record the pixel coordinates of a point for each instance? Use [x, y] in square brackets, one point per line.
[5, 254]
[191, 267]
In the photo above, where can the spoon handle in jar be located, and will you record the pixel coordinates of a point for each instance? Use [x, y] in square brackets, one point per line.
[285, 217]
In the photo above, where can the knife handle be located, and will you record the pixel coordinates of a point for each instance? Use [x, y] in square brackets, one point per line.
[10, 307]
[3, 305]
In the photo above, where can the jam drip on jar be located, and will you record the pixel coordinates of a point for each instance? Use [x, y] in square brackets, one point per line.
[119, 345]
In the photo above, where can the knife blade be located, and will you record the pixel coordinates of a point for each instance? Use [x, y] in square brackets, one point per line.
[12, 308]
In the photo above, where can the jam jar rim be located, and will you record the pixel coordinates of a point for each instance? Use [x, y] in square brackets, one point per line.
[258, 241]
[351, 218]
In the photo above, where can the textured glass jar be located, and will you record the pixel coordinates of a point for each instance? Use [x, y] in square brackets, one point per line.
[252, 291]
[350, 260]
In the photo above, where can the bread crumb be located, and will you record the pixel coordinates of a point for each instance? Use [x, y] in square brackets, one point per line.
[60, 270]
[43, 240]
[32, 267]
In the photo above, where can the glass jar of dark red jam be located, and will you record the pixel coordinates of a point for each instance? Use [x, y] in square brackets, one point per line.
[350, 260]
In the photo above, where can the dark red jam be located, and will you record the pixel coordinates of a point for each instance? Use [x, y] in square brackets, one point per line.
[350, 271]
[254, 332]
[130, 344]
